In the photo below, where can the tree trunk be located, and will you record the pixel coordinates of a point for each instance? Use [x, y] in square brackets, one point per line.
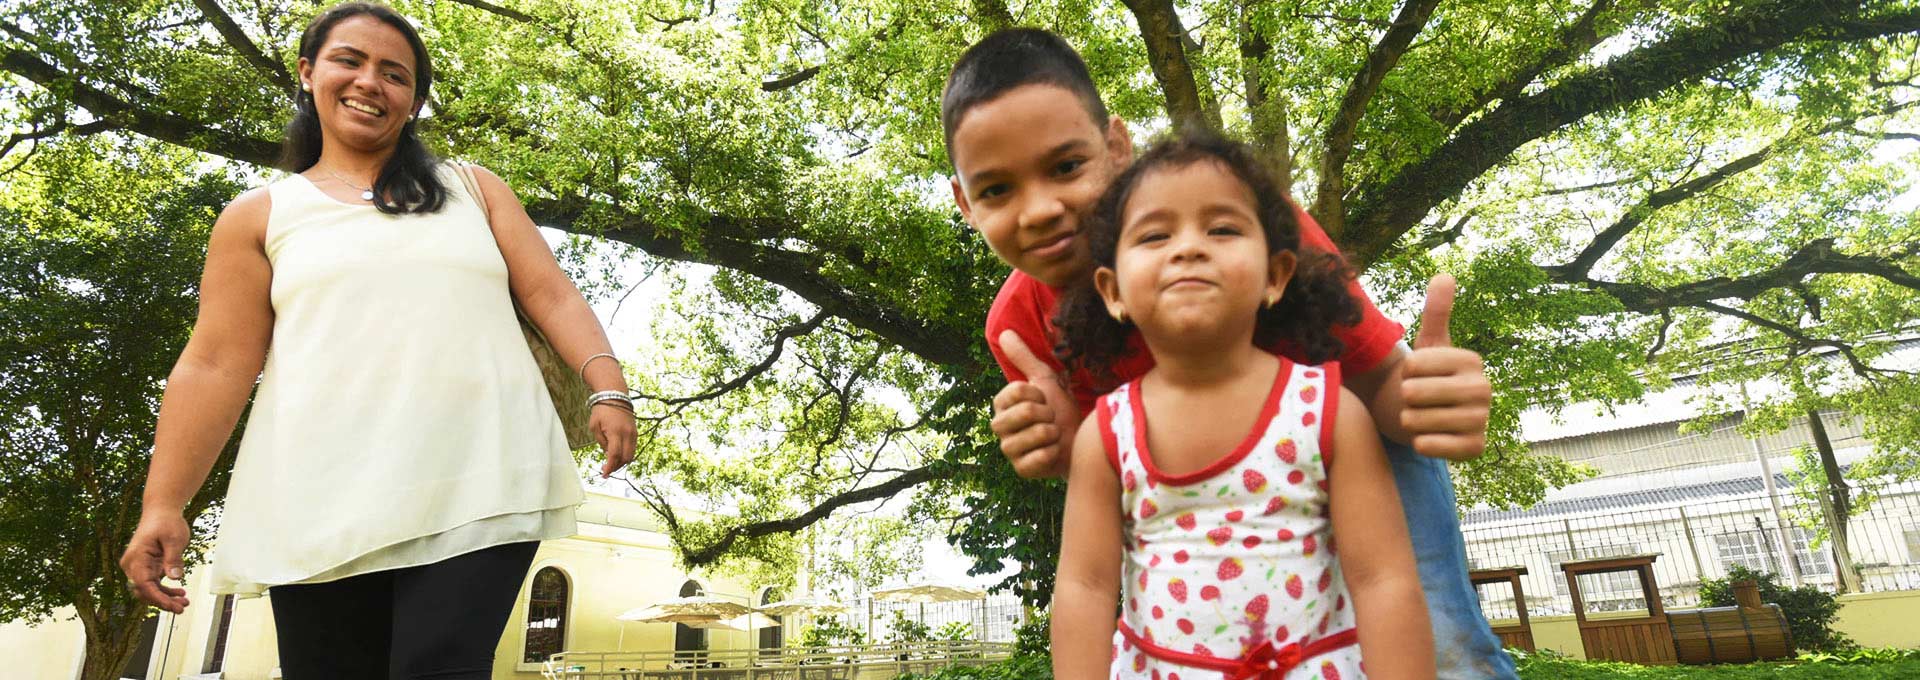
[111, 642]
[1836, 504]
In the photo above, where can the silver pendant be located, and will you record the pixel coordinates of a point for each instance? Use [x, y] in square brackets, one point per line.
[366, 195]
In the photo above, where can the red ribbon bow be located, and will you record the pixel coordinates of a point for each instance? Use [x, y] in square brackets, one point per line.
[1266, 663]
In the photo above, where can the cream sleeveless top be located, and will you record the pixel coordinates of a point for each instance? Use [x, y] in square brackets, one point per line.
[400, 419]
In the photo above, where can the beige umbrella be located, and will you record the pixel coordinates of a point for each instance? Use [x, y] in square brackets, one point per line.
[805, 605]
[930, 592]
[686, 610]
[743, 623]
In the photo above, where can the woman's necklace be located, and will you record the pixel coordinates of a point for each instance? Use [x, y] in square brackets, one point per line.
[366, 193]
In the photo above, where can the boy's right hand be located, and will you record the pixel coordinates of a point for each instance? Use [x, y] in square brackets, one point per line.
[1035, 418]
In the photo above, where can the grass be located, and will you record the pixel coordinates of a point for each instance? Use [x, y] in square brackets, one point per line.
[1581, 670]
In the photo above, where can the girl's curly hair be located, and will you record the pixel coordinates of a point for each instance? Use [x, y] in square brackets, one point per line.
[1316, 299]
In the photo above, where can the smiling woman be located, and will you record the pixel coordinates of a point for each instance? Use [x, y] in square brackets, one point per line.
[402, 458]
[364, 74]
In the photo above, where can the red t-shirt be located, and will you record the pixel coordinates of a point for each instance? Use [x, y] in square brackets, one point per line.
[1026, 306]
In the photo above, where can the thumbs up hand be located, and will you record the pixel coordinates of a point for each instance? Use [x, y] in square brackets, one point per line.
[1444, 389]
[1035, 418]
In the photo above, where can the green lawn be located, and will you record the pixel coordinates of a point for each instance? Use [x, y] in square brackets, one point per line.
[1561, 669]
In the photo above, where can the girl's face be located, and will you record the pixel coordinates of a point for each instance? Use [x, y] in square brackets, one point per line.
[362, 82]
[1191, 261]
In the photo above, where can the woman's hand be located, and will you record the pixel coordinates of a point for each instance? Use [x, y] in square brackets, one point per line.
[614, 428]
[154, 553]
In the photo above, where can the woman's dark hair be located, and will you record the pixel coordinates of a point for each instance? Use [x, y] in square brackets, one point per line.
[407, 184]
[1300, 324]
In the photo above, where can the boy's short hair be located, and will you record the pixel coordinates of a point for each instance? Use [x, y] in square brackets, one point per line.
[1010, 58]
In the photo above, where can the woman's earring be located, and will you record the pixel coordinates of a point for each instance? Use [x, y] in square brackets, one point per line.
[1119, 314]
[305, 87]
[1271, 301]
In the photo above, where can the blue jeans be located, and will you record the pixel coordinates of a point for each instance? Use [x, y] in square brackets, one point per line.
[1465, 645]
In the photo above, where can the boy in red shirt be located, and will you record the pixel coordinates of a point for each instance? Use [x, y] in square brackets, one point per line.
[1032, 147]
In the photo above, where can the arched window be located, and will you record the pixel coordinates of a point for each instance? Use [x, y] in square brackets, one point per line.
[690, 643]
[770, 637]
[546, 633]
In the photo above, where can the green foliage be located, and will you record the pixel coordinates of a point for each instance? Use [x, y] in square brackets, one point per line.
[1017, 668]
[954, 631]
[1865, 657]
[1810, 611]
[1034, 637]
[831, 632]
[904, 628]
[101, 244]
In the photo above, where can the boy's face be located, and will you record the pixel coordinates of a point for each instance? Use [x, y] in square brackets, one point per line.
[1026, 166]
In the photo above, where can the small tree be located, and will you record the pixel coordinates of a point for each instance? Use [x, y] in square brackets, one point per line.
[1809, 610]
[101, 245]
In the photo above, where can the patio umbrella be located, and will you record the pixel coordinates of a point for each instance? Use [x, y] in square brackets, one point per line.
[743, 623]
[805, 605]
[923, 593]
[930, 592]
[685, 610]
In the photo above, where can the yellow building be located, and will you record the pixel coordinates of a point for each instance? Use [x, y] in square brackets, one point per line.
[618, 561]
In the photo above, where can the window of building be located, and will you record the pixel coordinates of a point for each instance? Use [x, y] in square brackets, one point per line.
[690, 643]
[771, 636]
[1754, 550]
[217, 640]
[546, 633]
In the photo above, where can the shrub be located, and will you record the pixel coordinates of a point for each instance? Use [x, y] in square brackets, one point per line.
[1035, 637]
[1809, 610]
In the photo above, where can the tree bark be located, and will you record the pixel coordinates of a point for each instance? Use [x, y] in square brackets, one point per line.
[1836, 501]
[1167, 54]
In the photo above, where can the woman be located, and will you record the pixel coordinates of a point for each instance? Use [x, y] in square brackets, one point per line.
[402, 459]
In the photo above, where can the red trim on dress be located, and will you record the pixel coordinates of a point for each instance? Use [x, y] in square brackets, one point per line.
[1260, 426]
[1104, 411]
[1264, 662]
[1329, 409]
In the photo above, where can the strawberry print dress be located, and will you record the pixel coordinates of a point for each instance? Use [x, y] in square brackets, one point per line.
[1230, 571]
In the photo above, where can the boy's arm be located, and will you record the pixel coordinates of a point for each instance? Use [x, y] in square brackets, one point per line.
[1435, 397]
[1376, 556]
[1087, 584]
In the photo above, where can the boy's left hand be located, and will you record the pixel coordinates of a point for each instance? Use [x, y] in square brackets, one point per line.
[1444, 389]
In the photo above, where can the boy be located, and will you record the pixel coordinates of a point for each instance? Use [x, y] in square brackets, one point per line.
[1032, 146]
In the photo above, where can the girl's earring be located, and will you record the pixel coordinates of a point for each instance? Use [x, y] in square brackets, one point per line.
[1271, 301]
[1119, 314]
[305, 87]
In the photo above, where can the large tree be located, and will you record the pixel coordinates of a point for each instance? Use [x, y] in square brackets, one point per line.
[101, 242]
[1618, 183]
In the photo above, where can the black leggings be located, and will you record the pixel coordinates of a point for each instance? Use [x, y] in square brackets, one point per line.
[440, 621]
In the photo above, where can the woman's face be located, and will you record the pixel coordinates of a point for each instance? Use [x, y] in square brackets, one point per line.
[362, 82]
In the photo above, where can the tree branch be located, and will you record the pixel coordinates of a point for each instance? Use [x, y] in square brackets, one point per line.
[60, 128]
[1167, 55]
[992, 14]
[704, 555]
[787, 81]
[120, 113]
[1573, 41]
[1635, 216]
[1800, 338]
[1387, 209]
[732, 243]
[779, 346]
[274, 71]
[489, 7]
[1816, 257]
[1328, 204]
[1267, 116]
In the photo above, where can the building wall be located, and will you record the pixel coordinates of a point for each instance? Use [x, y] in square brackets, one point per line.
[617, 562]
[1663, 446]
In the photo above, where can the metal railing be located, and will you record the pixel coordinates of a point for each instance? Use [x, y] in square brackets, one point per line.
[1698, 539]
[846, 662]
